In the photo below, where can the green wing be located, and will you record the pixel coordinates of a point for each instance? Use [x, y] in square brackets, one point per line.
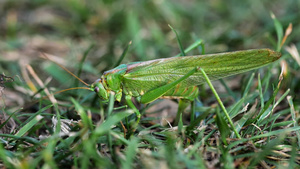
[151, 74]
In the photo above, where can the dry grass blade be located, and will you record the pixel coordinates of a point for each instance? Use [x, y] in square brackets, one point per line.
[41, 84]
[293, 52]
[288, 31]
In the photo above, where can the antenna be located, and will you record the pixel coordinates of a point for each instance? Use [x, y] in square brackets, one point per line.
[73, 88]
[65, 69]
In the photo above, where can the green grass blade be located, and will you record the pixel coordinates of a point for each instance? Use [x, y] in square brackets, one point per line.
[199, 143]
[202, 49]
[235, 109]
[34, 115]
[191, 47]
[247, 116]
[272, 133]
[123, 54]
[6, 157]
[282, 97]
[293, 113]
[179, 42]
[25, 138]
[249, 84]
[7, 120]
[198, 120]
[265, 151]
[279, 31]
[260, 92]
[222, 126]
[29, 125]
[292, 162]
[109, 112]
[130, 153]
[110, 121]
[270, 101]
[86, 120]
[47, 153]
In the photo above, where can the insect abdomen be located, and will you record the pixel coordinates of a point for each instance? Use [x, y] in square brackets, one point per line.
[189, 93]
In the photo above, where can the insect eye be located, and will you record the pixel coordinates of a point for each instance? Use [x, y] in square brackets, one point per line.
[96, 89]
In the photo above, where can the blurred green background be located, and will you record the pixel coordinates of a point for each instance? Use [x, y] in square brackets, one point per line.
[101, 29]
[70, 27]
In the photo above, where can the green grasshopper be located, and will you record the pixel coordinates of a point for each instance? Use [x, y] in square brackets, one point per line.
[176, 77]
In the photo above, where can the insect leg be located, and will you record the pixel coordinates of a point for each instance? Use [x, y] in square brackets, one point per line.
[158, 92]
[182, 105]
[131, 105]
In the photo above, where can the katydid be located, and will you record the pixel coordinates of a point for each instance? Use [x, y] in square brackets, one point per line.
[176, 77]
